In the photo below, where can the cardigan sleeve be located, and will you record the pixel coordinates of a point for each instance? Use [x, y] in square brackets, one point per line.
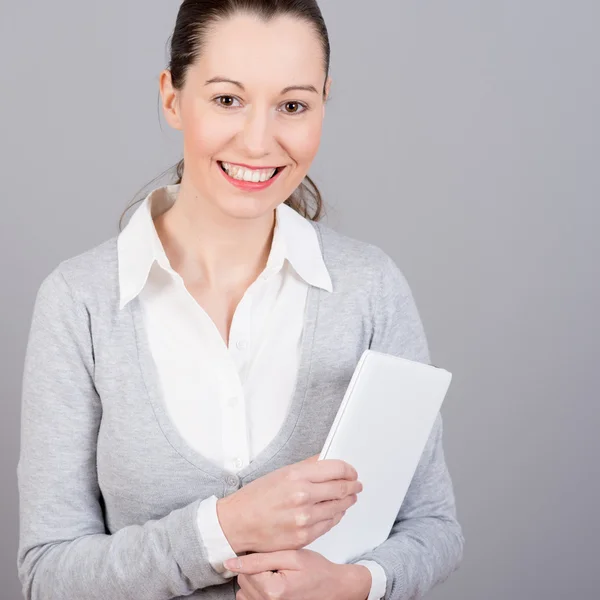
[64, 549]
[425, 545]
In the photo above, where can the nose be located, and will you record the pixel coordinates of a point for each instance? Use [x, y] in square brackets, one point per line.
[257, 133]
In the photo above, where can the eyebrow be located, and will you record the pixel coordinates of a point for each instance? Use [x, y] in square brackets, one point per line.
[289, 88]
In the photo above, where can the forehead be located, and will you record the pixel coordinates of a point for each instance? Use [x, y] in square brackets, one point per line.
[246, 49]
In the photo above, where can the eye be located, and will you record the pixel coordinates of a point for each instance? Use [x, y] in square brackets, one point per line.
[291, 107]
[297, 107]
[225, 101]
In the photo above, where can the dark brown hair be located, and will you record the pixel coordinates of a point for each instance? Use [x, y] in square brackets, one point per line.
[194, 19]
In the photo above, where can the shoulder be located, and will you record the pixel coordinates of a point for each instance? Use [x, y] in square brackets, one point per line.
[90, 276]
[352, 260]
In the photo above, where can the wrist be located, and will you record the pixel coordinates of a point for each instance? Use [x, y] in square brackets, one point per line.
[231, 524]
[356, 580]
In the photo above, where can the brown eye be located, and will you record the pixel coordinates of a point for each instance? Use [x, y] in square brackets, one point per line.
[294, 108]
[225, 101]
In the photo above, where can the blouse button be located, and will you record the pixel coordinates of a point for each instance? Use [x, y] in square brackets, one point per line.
[241, 344]
[238, 463]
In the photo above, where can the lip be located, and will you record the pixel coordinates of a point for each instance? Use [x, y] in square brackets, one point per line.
[255, 167]
[250, 186]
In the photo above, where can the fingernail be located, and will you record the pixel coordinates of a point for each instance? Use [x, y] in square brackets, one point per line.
[232, 564]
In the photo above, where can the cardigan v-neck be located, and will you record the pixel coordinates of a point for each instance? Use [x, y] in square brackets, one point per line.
[149, 374]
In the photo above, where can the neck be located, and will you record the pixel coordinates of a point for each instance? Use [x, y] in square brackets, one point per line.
[208, 247]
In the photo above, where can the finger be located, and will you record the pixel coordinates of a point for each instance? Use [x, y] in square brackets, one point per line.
[318, 529]
[324, 511]
[271, 585]
[328, 469]
[333, 490]
[251, 564]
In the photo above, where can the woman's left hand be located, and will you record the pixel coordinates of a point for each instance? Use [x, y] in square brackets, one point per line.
[300, 575]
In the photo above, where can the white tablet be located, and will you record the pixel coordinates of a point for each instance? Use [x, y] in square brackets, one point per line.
[381, 429]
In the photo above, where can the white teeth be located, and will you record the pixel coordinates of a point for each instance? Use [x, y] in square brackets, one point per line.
[243, 174]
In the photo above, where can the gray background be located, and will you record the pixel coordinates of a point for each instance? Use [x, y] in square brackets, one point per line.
[463, 138]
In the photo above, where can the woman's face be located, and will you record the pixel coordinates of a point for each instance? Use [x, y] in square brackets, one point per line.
[264, 120]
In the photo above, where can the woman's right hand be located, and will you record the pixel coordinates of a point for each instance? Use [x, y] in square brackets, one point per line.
[289, 508]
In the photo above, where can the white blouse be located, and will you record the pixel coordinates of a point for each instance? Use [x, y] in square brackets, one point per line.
[193, 362]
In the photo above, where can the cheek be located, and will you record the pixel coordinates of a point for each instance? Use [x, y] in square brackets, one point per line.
[206, 134]
[302, 142]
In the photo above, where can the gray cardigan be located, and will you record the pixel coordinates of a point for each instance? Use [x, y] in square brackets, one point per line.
[109, 489]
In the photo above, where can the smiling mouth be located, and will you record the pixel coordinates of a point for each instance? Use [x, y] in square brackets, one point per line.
[249, 175]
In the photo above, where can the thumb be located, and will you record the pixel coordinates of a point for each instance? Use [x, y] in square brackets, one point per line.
[252, 564]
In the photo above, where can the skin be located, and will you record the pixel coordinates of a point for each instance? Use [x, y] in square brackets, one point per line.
[300, 575]
[218, 237]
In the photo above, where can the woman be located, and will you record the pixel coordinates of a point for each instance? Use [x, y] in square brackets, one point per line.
[181, 378]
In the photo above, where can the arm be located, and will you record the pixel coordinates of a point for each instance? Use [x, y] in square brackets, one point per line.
[64, 550]
[376, 578]
[426, 542]
[215, 541]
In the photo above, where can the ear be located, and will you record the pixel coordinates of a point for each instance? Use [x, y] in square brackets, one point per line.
[327, 88]
[170, 100]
